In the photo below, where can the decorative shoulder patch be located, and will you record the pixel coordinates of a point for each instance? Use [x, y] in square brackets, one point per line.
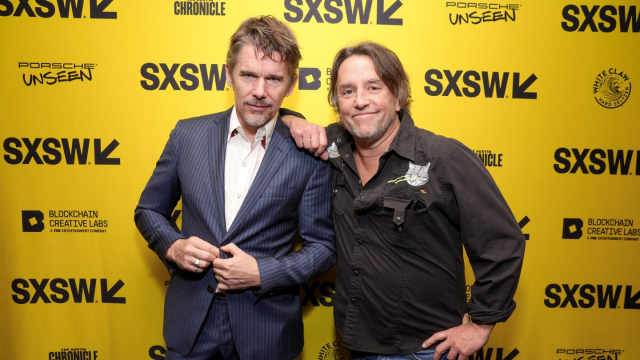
[333, 151]
[417, 175]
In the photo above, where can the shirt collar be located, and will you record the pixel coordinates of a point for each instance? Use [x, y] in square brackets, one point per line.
[404, 142]
[263, 134]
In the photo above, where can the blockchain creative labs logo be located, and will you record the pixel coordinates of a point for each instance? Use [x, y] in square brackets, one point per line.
[589, 354]
[461, 13]
[53, 73]
[343, 11]
[32, 221]
[200, 7]
[309, 78]
[612, 88]
[610, 229]
[333, 351]
[73, 353]
[489, 158]
[75, 9]
[64, 221]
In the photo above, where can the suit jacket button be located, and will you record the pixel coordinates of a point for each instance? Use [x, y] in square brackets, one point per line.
[210, 289]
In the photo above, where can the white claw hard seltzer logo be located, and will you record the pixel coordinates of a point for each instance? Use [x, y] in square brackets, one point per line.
[612, 88]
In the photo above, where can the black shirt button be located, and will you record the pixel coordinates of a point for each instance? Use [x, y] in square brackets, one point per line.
[353, 300]
[355, 272]
[400, 228]
[359, 242]
[210, 289]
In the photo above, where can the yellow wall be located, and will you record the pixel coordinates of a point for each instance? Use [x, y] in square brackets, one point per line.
[537, 128]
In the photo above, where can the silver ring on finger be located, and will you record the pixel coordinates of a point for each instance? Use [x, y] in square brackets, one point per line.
[197, 263]
[196, 268]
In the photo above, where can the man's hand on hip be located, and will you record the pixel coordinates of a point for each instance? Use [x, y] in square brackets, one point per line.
[236, 273]
[461, 341]
[308, 136]
[192, 254]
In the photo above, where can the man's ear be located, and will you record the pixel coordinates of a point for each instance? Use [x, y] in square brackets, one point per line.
[228, 75]
[294, 81]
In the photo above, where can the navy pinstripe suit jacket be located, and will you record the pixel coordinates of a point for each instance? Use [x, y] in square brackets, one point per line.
[291, 188]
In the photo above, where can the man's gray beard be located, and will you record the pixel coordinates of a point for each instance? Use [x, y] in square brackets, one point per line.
[374, 136]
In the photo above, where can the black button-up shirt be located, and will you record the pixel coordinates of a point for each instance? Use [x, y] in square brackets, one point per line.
[400, 237]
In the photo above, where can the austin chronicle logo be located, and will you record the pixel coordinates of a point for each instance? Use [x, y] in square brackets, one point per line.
[612, 88]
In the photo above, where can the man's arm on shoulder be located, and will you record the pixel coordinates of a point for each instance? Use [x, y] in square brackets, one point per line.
[307, 135]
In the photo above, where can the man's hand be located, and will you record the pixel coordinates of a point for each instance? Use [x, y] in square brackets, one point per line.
[239, 272]
[309, 136]
[192, 254]
[461, 341]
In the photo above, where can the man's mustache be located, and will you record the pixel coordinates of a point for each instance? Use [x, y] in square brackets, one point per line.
[258, 103]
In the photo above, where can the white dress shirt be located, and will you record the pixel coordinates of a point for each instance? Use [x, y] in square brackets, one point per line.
[242, 162]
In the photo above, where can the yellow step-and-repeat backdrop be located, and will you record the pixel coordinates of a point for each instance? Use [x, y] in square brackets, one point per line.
[541, 90]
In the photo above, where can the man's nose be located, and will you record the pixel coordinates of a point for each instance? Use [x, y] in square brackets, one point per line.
[259, 88]
[362, 100]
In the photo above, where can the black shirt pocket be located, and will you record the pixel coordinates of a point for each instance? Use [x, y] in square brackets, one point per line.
[401, 222]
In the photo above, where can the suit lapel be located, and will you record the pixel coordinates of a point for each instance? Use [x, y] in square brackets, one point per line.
[273, 159]
[217, 152]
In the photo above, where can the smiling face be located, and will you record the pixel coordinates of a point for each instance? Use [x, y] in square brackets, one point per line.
[366, 106]
[260, 84]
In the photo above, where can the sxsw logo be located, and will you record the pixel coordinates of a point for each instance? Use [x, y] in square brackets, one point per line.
[525, 220]
[500, 354]
[55, 151]
[572, 228]
[157, 352]
[32, 221]
[617, 162]
[335, 11]
[64, 290]
[587, 296]
[489, 85]
[309, 79]
[191, 76]
[611, 18]
[46, 9]
[318, 294]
